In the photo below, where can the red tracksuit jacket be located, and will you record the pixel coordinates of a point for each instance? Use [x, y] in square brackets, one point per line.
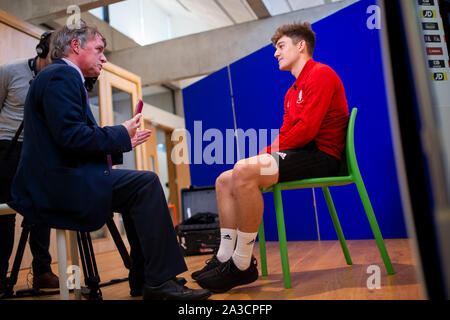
[315, 107]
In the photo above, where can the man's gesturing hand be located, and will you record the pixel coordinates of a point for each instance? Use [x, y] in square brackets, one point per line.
[140, 137]
[137, 137]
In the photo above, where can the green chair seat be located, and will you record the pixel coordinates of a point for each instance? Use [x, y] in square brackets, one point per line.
[352, 175]
[312, 183]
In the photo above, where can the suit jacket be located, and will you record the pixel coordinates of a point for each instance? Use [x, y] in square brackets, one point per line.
[63, 177]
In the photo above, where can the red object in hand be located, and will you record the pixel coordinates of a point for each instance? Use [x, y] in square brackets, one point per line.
[139, 107]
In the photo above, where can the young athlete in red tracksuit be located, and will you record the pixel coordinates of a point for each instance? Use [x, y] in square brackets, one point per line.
[315, 112]
[309, 145]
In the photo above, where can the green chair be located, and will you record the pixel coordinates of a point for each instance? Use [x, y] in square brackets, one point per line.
[351, 176]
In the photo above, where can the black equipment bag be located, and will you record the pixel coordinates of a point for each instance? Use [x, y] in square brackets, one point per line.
[198, 199]
[199, 234]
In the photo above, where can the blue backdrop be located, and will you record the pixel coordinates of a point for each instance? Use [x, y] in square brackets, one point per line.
[346, 44]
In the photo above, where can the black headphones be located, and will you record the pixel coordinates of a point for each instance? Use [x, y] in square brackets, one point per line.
[43, 47]
[89, 83]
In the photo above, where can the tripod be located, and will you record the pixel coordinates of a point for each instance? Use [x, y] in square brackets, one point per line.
[90, 271]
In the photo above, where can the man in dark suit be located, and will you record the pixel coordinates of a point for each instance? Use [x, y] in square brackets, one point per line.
[64, 179]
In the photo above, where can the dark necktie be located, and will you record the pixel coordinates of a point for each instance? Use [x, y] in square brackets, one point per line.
[108, 156]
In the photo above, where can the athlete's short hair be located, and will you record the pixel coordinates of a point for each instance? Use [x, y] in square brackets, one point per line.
[297, 31]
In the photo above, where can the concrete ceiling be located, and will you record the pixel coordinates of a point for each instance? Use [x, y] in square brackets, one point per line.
[221, 13]
[200, 54]
[52, 14]
[238, 11]
[40, 11]
[217, 12]
[212, 14]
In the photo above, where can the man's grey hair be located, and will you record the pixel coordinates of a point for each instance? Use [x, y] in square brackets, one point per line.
[62, 38]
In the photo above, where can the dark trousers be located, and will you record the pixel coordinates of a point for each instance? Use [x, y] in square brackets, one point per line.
[39, 244]
[155, 251]
[39, 236]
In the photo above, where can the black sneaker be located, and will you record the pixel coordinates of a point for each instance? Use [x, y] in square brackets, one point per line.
[227, 276]
[210, 264]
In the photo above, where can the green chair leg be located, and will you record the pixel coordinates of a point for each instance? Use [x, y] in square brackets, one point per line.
[337, 225]
[373, 224]
[282, 235]
[262, 249]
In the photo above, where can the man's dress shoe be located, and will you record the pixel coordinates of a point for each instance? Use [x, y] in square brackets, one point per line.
[136, 289]
[174, 290]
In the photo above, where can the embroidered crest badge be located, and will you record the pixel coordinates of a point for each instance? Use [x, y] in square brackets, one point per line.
[300, 96]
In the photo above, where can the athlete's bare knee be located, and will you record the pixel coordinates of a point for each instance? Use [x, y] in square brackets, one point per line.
[224, 180]
[243, 175]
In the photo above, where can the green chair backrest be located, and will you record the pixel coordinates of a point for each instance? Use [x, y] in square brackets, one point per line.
[350, 155]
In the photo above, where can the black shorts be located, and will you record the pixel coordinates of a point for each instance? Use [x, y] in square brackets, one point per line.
[304, 163]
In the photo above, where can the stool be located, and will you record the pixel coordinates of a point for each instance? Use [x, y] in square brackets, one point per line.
[62, 256]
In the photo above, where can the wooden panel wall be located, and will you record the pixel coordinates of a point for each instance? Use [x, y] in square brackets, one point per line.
[15, 44]
[19, 38]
